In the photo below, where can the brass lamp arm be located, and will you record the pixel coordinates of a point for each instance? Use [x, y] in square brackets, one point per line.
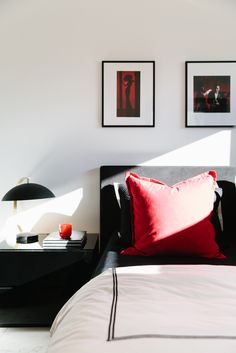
[21, 180]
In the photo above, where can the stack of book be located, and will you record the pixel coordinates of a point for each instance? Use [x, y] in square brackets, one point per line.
[54, 241]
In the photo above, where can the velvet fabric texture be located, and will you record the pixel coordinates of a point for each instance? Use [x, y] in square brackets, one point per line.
[172, 220]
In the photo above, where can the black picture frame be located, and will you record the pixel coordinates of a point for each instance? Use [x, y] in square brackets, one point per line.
[128, 93]
[210, 86]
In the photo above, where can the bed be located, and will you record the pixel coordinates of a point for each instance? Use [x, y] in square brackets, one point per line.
[157, 303]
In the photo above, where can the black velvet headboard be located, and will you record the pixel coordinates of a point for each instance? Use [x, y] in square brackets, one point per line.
[109, 208]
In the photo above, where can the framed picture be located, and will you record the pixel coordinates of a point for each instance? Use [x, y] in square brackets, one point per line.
[210, 88]
[128, 93]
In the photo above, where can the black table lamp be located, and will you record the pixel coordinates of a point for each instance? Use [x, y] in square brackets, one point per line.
[27, 191]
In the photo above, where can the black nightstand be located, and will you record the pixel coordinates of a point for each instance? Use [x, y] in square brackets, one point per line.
[35, 283]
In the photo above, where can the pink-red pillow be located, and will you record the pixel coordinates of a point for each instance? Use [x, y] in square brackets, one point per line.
[173, 220]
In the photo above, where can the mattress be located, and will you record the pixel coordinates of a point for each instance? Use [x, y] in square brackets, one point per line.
[153, 308]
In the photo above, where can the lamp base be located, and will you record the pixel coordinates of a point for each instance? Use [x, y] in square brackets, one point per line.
[26, 238]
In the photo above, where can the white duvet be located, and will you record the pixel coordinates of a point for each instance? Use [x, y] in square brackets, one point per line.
[161, 309]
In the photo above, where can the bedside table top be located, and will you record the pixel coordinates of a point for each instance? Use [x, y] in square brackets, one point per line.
[92, 242]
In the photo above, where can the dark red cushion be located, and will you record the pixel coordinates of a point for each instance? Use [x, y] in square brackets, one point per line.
[173, 220]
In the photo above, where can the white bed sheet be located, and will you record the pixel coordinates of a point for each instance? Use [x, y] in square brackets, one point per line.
[164, 309]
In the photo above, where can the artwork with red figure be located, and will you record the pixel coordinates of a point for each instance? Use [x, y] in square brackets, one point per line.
[128, 94]
[211, 94]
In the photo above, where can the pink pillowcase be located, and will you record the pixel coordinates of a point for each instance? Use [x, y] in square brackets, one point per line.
[173, 220]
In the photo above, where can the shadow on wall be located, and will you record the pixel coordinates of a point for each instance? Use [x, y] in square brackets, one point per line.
[214, 149]
[43, 218]
[81, 206]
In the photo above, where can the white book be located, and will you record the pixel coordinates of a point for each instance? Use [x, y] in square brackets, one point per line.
[77, 237]
[66, 246]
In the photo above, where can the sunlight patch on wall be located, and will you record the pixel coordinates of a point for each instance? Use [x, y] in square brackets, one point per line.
[211, 150]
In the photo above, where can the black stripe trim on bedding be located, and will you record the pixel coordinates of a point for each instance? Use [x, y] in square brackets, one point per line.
[175, 337]
[111, 327]
[112, 321]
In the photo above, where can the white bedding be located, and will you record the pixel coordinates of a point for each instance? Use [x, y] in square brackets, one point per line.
[161, 309]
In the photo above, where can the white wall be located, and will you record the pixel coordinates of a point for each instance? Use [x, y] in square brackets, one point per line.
[50, 90]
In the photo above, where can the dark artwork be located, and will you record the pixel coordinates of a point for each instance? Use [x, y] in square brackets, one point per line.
[211, 94]
[128, 94]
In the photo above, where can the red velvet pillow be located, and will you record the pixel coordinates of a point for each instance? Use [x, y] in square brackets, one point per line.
[173, 220]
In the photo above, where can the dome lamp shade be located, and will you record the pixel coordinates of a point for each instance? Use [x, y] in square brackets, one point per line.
[27, 191]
